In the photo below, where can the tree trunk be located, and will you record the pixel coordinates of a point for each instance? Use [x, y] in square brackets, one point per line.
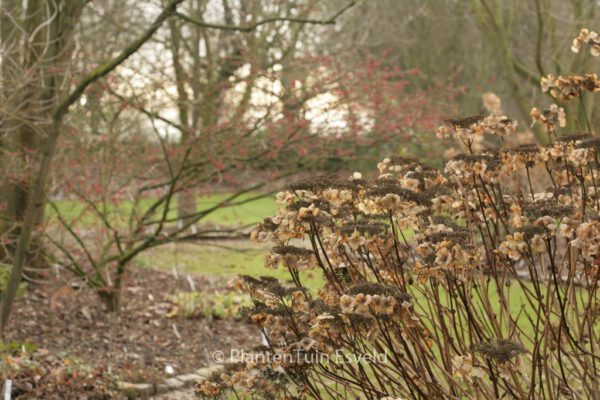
[60, 32]
[111, 299]
[186, 202]
[32, 75]
[10, 38]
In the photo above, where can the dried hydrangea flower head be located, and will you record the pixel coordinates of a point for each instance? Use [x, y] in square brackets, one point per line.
[500, 350]
[567, 88]
[472, 128]
[492, 103]
[588, 37]
[549, 118]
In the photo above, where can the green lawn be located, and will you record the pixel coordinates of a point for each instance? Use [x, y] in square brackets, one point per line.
[233, 215]
[227, 259]
[243, 214]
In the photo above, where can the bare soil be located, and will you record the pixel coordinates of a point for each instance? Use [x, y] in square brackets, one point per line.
[137, 344]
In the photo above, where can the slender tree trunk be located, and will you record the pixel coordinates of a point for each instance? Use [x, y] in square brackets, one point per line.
[186, 200]
[10, 39]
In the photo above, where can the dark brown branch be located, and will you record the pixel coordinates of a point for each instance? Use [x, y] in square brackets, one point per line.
[250, 28]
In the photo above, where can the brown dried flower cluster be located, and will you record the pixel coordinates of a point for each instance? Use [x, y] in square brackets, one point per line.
[478, 125]
[587, 37]
[550, 118]
[566, 88]
[475, 281]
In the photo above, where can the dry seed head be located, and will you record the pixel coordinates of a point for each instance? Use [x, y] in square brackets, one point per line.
[500, 350]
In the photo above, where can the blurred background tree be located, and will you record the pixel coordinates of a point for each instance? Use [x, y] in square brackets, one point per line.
[475, 46]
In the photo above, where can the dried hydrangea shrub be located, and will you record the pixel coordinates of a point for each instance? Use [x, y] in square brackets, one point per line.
[474, 281]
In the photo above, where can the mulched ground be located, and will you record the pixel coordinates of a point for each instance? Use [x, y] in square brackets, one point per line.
[137, 343]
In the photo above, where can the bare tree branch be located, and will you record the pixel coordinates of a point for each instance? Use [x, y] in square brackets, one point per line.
[250, 28]
[106, 68]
